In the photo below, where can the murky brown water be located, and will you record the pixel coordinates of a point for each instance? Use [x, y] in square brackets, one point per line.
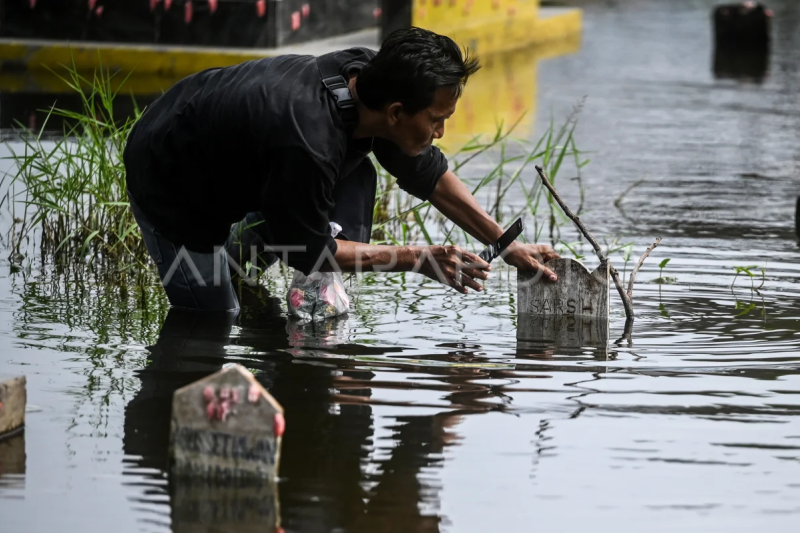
[421, 412]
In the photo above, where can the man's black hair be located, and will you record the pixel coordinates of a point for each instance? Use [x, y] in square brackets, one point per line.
[409, 68]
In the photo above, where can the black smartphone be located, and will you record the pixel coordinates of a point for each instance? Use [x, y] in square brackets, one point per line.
[510, 235]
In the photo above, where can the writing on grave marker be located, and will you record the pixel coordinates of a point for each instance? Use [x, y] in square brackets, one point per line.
[577, 292]
[557, 306]
[226, 446]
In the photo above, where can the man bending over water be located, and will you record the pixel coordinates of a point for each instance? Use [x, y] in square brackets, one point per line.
[278, 148]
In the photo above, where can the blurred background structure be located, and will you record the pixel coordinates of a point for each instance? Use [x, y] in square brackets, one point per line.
[157, 42]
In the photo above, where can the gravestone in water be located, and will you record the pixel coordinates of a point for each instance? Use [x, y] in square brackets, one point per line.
[571, 312]
[226, 427]
[12, 405]
[12, 422]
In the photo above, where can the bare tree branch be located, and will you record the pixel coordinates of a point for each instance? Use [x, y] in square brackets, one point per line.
[626, 301]
[639, 265]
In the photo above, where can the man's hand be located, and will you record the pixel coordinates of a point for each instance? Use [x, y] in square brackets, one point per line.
[531, 257]
[453, 266]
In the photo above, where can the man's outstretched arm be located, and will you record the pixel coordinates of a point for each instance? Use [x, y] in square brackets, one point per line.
[452, 198]
[449, 265]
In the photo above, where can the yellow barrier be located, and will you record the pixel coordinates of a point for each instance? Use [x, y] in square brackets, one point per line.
[502, 93]
[19, 55]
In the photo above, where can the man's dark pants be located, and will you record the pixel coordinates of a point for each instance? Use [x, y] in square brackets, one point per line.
[202, 281]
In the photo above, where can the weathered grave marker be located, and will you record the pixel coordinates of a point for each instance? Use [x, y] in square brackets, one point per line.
[226, 427]
[12, 405]
[571, 312]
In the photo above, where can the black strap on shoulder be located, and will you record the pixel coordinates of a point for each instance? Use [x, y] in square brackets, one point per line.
[337, 87]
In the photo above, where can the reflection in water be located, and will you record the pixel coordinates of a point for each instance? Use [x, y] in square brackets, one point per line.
[741, 61]
[199, 507]
[327, 438]
[565, 334]
[12, 461]
[503, 92]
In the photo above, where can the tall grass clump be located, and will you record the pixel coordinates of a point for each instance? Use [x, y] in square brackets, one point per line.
[71, 187]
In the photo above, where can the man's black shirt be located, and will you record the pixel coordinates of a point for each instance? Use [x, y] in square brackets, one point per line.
[265, 136]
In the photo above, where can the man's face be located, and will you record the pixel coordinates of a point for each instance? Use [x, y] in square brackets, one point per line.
[415, 133]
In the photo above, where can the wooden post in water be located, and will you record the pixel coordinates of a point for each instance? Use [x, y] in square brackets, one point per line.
[571, 312]
[226, 428]
[12, 405]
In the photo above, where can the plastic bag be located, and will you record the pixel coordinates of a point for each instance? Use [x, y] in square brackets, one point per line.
[319, 295]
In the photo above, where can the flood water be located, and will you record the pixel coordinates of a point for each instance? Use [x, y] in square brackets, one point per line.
[421, 411]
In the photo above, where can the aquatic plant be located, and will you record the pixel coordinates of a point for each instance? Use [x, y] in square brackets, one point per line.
[72, 187]
[661, 280]
[748, 271]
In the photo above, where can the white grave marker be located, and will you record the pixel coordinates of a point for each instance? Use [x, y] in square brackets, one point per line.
[226, 427]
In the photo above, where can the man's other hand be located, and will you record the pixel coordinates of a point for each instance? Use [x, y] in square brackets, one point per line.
[453, 267]
[531, 257]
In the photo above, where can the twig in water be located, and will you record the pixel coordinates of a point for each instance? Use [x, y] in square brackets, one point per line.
[639, 265]
[626, 301]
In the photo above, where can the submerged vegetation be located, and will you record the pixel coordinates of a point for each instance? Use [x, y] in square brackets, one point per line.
[68, 192]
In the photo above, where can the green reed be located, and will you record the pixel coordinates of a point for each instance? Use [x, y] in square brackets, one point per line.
[71, 188]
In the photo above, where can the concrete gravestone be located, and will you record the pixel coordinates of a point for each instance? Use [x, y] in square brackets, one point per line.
[12, 405]
[572, 312]
[226, 427]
